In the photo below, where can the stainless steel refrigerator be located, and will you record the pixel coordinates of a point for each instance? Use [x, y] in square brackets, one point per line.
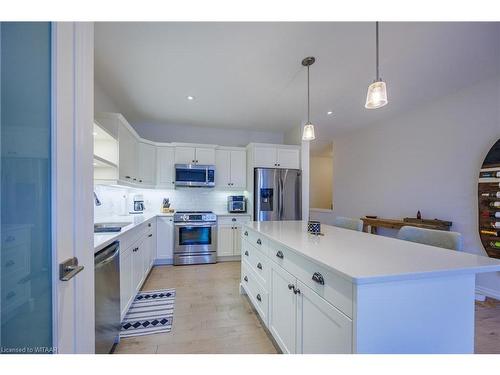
[277, 194]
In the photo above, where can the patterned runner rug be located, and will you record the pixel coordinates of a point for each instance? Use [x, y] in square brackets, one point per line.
[151, 312]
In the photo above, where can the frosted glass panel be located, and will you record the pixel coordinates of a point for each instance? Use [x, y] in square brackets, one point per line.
[25, 118]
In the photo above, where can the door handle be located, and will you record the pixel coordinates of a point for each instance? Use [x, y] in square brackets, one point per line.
[69, 269]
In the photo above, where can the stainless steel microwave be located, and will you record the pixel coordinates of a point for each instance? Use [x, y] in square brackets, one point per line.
[194, 175]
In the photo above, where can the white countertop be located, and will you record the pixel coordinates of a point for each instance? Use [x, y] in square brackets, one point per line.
[103, 239]
[367, 258]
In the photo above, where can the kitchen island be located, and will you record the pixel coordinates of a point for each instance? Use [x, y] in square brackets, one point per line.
[353, 292]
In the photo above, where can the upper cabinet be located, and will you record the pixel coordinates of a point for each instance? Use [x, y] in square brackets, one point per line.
[275, 156]
[230, 168]
[128, 146]
[165, 166]
[194, 155]
[147, 164]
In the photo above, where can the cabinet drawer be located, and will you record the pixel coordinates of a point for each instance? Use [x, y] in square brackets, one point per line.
[233, 220]
[334, 288]
[257, 261]
[255, 239]
[256, 292]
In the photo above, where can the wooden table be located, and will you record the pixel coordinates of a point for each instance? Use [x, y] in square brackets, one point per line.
[370, 225]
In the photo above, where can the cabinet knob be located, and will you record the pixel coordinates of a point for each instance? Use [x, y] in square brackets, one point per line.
[246, 253]
[149, 225]
[140, 180]
[318, 278]
[296, 291]
[291, 286]
[279, 254]
[135, 179]
[246, 233]
[259, 242]
[127, 176]
[246, 279]
[233, 219]
[259, 266]
[259, 298]
[151, 235]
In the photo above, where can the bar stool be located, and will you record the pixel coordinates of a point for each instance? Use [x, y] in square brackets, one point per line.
[348, 223]
[439, 238]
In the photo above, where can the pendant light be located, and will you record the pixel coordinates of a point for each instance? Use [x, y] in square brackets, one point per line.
[376, 96]
[308, 133]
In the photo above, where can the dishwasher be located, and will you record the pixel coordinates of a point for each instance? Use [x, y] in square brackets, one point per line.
[107, 297]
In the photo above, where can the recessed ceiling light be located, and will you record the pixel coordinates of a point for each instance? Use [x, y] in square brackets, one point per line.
[189, 97]
[329, 113]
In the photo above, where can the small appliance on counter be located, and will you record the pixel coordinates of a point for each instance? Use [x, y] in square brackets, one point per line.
[236, 204]
[165, 206]
[137, 204]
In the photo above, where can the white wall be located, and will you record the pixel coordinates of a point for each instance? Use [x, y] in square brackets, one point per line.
[321, 178]
[426, 160]
[194, 134]
[102, 101]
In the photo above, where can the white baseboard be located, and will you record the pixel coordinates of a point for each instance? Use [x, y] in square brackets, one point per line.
[491, 293]
[234, 258]
[163, 261]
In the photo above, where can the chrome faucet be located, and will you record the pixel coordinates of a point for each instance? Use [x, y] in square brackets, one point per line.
[96, 200]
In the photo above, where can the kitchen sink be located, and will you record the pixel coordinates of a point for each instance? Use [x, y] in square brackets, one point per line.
[109, 227]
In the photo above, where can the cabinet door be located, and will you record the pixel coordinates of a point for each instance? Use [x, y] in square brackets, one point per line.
[225, 240]
[166, 166]
[137, 265]
[288, 158]
[147, 164]
[238, 169]
[264, 157]
[185, 155]
[205, 156]
[126, 272]
[127, 155]
[237, 240]
[223, 168]
[321, 328]
[282, 309]
[165, 238]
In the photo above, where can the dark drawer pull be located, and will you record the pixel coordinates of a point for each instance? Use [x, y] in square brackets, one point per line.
[149, 225]
[291, 286]
[11, 295]
[259, 266]
[246, 253]
[10, 263]
[296, 291]
[127, 176]
[246, 279]
[258, 298]
[233, 219]
[318, 278]
[151, 235]
[246, 233]
[279, 254]
[259, 242]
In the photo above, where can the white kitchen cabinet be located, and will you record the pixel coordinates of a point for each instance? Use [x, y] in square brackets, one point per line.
[137, 264]
[126, 270]
[275, 156]
[321, 328]
[165, 239]
[230, 168]
[229, 234]
[282, 308]
[147, 164]
[127, 145]
[288, 158]
[194, 155]
[166, 166]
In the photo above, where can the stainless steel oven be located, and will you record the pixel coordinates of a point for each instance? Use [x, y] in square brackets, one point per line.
[194, 175]
[195, 237]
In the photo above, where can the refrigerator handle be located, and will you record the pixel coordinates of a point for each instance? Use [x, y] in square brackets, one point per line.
[282, 187]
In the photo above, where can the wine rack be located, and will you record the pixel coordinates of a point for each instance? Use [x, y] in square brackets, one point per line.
[489, 202]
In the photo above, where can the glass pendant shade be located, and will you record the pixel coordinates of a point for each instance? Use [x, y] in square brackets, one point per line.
[308, 133]
[376, 96]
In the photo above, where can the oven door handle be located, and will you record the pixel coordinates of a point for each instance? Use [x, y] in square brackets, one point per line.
[183, 224]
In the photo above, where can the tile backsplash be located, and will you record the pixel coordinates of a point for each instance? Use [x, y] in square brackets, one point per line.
[116, 200]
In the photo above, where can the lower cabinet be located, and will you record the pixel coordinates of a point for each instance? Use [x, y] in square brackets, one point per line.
[229, 235]
[126, 272]
[165, 239]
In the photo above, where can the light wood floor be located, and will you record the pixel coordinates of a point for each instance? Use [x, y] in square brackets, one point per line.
[211, 316]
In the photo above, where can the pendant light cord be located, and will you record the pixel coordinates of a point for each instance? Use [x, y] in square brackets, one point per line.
[308, 100]
[376, 50]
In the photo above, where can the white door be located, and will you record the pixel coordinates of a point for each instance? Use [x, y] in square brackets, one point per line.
[282, 309]
[225, 240]
[238, 169]
[223, 168]
[165, 239]
[288, 158]
[185, 155]
[321, 328]
[166, 166]
[264, 157]
[72, 184]
[147, 164]
[205, 156]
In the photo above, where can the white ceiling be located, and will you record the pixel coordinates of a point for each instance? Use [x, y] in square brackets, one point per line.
[249, 76]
